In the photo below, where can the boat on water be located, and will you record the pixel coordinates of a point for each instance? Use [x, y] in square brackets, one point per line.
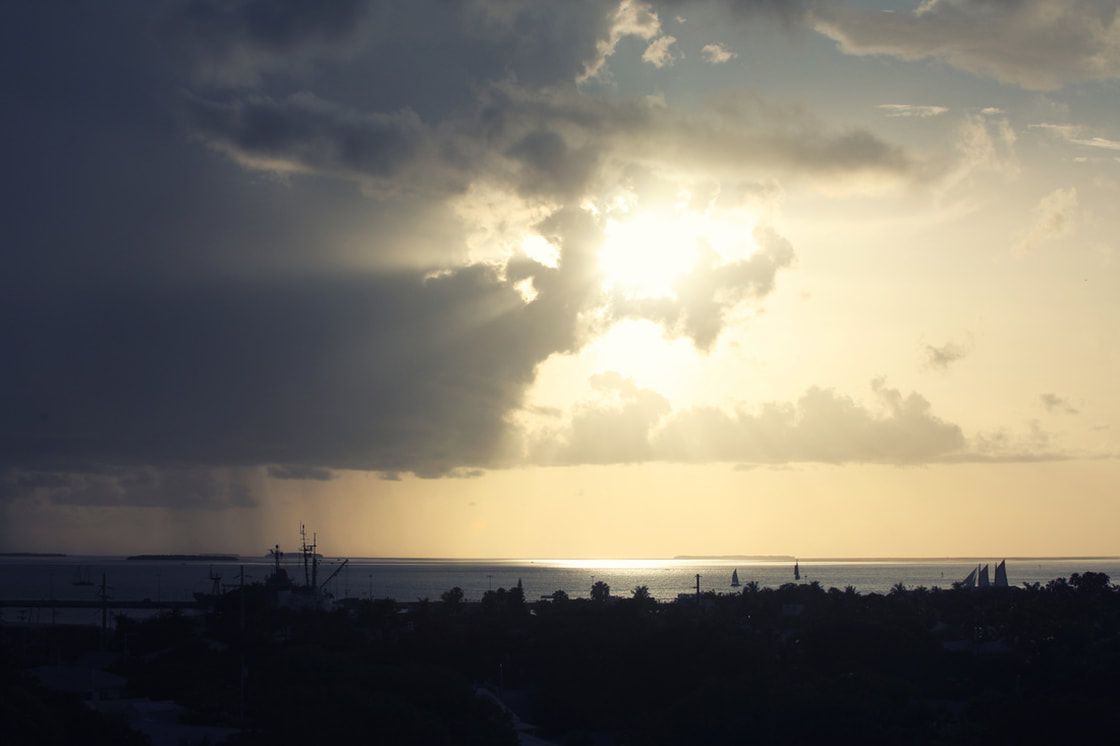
[978, 577]
[82, 577]
[1001, 575]
[796, 571]
[735, 579]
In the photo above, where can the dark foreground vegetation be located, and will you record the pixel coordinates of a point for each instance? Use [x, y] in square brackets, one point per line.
[794, 665]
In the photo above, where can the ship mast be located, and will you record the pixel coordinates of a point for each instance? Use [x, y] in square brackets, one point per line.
[310, 559]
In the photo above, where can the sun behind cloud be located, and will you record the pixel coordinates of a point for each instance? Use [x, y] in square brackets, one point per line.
[646, 252]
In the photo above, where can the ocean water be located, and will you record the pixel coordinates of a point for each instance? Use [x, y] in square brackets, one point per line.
[43, 578]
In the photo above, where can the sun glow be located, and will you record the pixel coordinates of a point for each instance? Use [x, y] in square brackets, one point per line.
[646, 253]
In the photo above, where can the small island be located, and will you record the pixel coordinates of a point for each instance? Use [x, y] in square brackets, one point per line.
[739, 557]
[185, 557]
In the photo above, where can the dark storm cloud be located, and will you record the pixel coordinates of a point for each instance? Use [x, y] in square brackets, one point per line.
[551, 166]
[300, 472]
[304, 133]
[230, 42]
[526, 140]
[388, 372]
[173, 316]
[183, 487]
[276, 25]
[736, 137]
[789, 11]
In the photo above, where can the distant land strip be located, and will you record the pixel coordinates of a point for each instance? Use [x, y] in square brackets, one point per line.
[186, 557]
[31, 554]
[749, 557]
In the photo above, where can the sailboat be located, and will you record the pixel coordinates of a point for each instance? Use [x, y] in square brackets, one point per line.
[82, 577]
[796, 571]
[970, 581]
[735, 579]
[1001, 574]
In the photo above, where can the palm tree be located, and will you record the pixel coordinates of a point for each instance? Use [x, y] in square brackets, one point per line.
[600, 591]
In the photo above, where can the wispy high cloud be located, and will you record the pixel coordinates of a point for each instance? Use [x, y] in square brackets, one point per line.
[941, 357]
[1035, 44]
[1078, 135]
[1055, 403]
[1056, 216]
[913, 110]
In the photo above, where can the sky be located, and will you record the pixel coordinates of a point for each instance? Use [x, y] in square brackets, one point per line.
[542, 278]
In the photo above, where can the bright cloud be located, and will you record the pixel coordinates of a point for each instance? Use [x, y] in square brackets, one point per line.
[912, 110]
[717, 54]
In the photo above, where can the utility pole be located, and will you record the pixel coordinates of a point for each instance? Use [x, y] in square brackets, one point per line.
[104, 605]
[241, 671]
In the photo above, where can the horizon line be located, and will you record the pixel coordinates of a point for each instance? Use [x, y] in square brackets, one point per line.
[676, 558]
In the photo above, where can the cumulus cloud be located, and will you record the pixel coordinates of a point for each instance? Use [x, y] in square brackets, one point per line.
[717, 54]
[632, 18]
[1056, 216]
[1034, 44]
[659, 52]
[822, 426]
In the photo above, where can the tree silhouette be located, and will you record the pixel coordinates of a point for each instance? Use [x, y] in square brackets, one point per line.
[600, 591]
[452, 598]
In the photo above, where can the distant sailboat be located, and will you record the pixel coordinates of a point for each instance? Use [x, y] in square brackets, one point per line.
[735, 579]
[970, 581]
[983, 582]
[796, 571]
[1001, 574]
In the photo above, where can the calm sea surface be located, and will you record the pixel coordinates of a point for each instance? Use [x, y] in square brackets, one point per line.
[42, 578]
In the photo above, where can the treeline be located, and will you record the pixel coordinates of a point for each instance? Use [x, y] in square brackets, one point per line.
[792, 665]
